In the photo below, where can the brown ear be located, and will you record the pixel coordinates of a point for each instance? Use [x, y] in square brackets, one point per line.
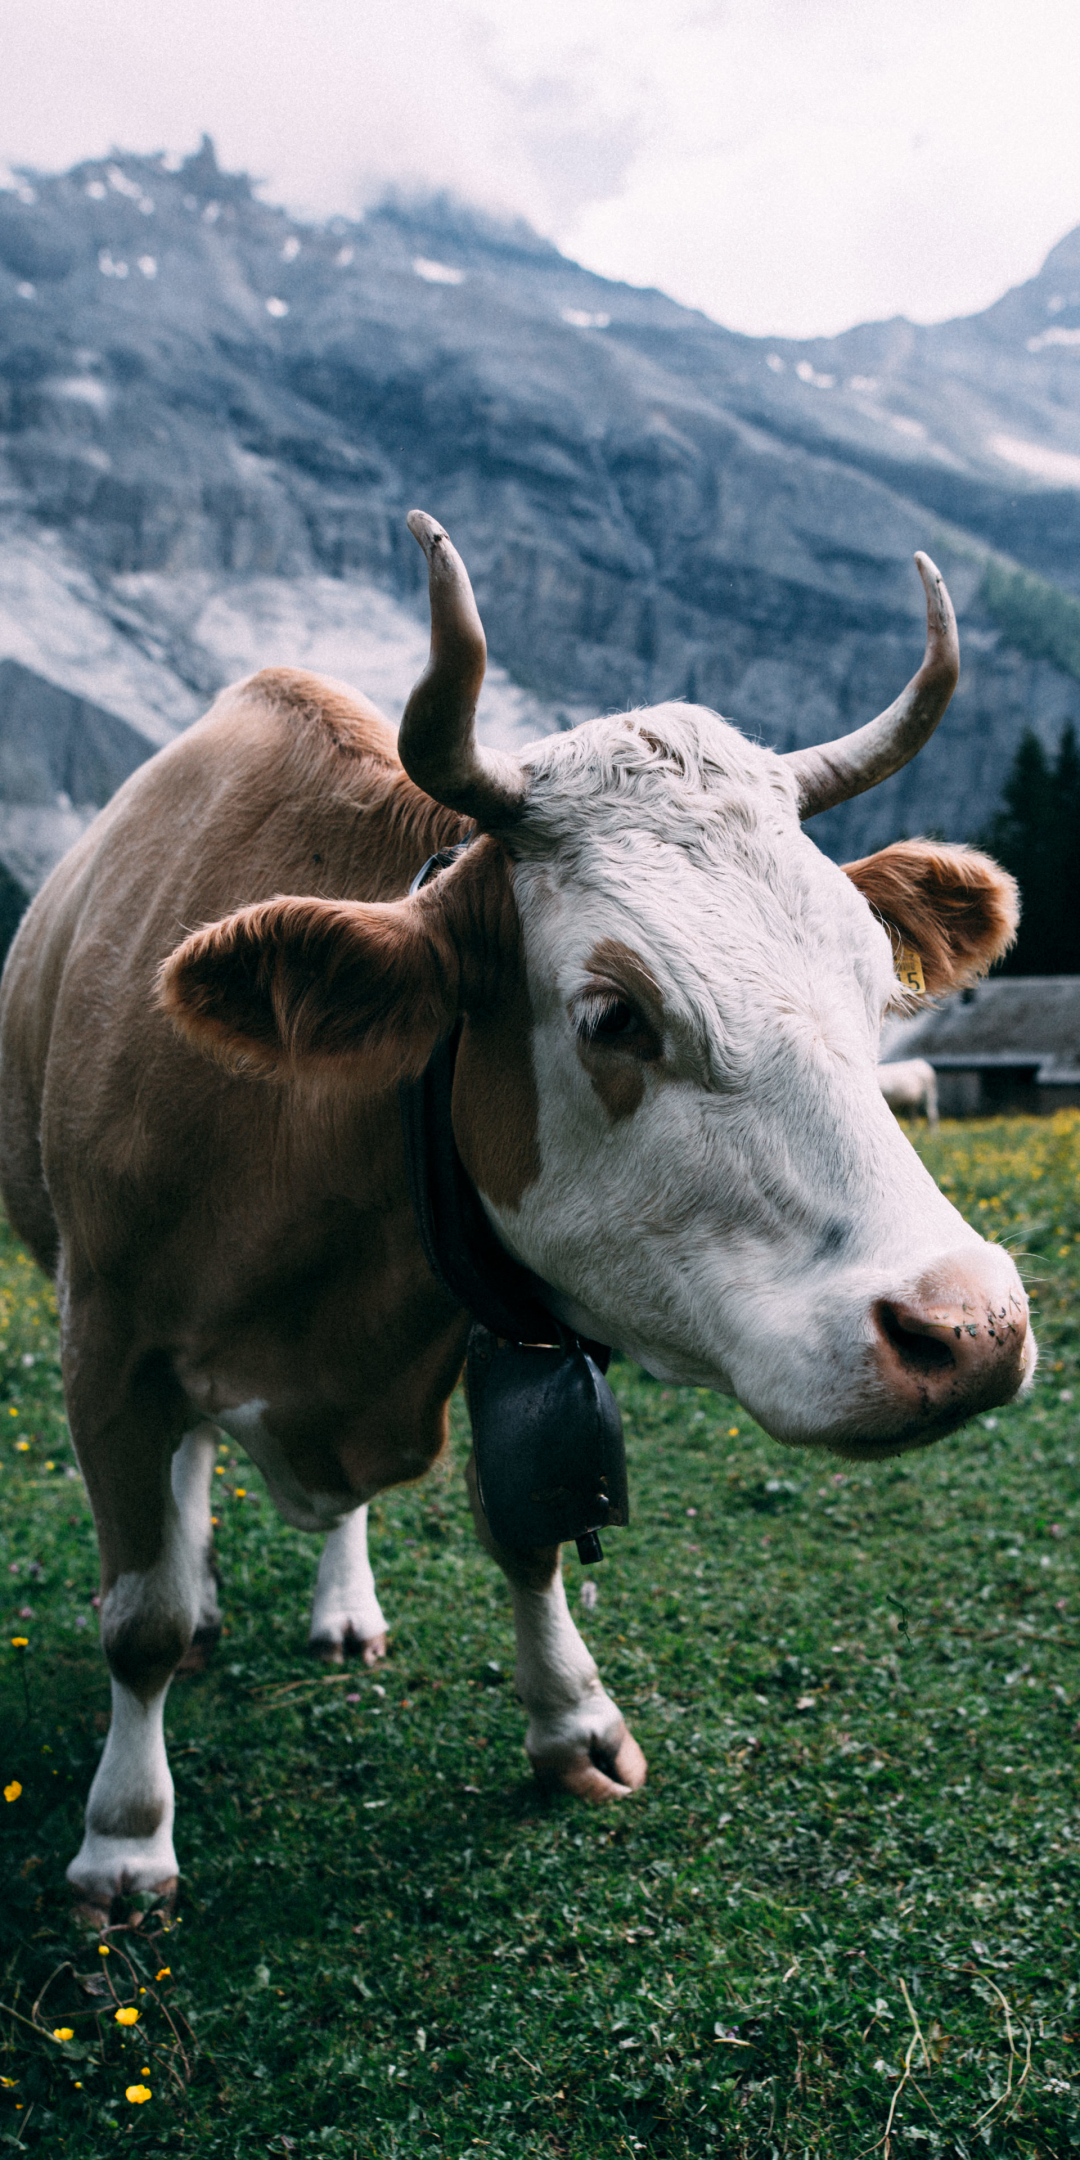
[951, 905]
[302, 982]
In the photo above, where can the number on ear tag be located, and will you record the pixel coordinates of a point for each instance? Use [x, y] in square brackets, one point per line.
[909, 969]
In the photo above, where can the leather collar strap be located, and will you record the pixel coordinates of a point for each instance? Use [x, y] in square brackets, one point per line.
[459, 1244]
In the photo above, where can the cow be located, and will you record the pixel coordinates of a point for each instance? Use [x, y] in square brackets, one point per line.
[665, 1101]
[910, 1084]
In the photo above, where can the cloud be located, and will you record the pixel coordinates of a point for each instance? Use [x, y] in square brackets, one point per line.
[821, 164]
[327, 100]
[788, 165]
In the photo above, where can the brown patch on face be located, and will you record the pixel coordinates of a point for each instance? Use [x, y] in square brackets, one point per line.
[616, 1063]
[619, 1081]
[496, 1109]
[612, 959]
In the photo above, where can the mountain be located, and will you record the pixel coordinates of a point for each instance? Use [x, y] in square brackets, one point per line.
[213, 418]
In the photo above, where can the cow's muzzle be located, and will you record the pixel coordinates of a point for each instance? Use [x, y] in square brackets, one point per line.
[952, 1343]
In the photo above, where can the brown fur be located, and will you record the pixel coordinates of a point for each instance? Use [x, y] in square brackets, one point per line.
[619, 1081]
[223, 1233]
[496, 1108]
[616, 1068]
[306, 984]
[138, 1819]
[619, 964]
[294, 983]
[956, 909]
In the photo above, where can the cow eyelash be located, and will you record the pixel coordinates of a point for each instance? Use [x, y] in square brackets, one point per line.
[607, 1019]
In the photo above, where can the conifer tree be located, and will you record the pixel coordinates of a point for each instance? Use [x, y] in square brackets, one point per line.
[1036, 835]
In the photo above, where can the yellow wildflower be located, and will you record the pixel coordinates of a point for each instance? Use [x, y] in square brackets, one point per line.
[12, 1791]
[21, 1447]
[241, 1492]
[164, 1974]
[19, 1642]
[103, 1949]
[128, 2016]
[63, 2032]
[137, 2094]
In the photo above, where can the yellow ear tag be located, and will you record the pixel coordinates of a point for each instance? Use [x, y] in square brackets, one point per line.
[909, 969]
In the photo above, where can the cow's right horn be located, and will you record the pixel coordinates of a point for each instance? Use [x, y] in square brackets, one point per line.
[831, 773]
[437, 743]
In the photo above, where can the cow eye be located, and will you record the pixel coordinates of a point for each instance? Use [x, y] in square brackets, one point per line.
[608, 1020]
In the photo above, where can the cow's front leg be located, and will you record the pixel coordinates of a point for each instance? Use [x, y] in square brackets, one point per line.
[152, 1581]
[148, 1621]
[577, 1737]
[346, 1615]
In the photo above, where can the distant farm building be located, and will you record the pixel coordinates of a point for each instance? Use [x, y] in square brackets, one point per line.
[1006, 1046]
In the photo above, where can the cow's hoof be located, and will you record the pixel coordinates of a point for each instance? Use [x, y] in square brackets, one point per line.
[114, 1878]
[201, 1649]
[332, 1650]
[126, 1908]
[599, 1772]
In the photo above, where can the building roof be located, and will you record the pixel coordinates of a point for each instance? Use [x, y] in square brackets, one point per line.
[1028, 1021]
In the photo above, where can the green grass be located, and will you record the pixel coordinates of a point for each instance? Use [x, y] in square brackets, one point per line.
[858, 1690]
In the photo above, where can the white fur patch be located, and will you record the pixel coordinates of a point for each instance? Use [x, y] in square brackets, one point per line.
[133, 1782]
[192, 1470]
[738, 1227]
[128, 1846]
[346, 1606]
[558, 1682]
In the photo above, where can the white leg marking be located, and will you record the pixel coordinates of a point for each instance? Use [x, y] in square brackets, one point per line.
[576, 1733]
[128, 1846]
[346, 1611]
[192, 1473]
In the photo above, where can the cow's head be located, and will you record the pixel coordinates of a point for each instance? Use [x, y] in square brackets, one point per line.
[666, 1091]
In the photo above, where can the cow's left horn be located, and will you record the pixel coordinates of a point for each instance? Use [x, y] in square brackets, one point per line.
[437, 743]
[833, 772]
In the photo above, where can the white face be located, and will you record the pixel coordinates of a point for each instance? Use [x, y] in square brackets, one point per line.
[723, 1192]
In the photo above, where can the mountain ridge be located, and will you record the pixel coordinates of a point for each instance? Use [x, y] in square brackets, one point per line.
[215, 416]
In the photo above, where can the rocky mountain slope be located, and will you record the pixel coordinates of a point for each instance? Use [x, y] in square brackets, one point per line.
[213, 418]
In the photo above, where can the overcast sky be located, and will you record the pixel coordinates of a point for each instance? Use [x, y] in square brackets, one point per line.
[790, 166]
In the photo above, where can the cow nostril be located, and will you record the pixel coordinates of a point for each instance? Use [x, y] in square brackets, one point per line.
[921, 1353]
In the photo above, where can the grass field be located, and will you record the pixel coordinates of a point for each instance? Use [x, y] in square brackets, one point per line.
[840, 1919]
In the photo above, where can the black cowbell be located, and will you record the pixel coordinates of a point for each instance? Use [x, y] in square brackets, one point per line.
[548, 1439]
